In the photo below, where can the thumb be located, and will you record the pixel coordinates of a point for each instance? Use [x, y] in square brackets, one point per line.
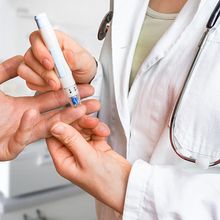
[82, 64]
[71, 138]
[72, 59]
[22, 137]
[8, 69]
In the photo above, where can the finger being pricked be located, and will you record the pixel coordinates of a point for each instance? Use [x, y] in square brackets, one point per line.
[52, 100]
[66, 115]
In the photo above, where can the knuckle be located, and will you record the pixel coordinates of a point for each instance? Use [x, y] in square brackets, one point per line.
[27, 56]
[58, 166]
[42, 74]
[31, 86]
[69, 140]
[59, 169]
[48, 74]
[61, 165]
[58, 97]
[22, 70]
[10, 154]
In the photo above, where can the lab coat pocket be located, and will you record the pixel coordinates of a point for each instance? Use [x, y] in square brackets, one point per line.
[197, 125]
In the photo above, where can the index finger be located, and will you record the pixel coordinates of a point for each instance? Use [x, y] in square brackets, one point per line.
[40, 51]
[8, 69]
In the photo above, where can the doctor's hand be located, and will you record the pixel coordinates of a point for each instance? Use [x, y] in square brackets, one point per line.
[27, 119]
[37, 70]
[91, 165]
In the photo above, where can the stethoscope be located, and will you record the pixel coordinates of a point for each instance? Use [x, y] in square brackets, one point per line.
[204, 162]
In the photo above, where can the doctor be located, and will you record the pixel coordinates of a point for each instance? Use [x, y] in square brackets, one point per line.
[139, 90]
[27, 119]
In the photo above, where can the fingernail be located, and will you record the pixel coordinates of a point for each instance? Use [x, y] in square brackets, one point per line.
[102, 128]
[87, 117]
[52, 83]
[58, 129]
[47, 64]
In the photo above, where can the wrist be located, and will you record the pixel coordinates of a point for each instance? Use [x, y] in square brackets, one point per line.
[126, 168]
[113, 188]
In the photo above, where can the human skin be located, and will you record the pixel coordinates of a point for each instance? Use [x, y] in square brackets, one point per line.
[38, 68]
[92, 164]
[167, 6]
[27, 119]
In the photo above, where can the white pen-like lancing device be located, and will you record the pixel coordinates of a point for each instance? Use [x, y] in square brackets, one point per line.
[61, 67]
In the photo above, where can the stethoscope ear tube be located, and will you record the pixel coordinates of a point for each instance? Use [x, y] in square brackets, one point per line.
[214, 16]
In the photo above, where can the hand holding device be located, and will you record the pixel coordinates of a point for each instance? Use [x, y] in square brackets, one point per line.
[38, 67]
[61, 67]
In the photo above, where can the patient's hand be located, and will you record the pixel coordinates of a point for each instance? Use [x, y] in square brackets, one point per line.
[27, 119]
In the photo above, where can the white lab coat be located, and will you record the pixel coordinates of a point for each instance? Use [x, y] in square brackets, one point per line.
[161, 185]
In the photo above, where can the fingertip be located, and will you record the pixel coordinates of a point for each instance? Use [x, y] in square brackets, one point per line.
[48, 63]
[31, 114]
[19, 58]
[102, 129]
[92, 105]
[54, 84]
[58, 128]
[28, 119]
[85, 90]
[91, 119]
[92, 89]
[88, 122]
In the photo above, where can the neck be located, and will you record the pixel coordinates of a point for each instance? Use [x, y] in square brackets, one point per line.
[167, 6]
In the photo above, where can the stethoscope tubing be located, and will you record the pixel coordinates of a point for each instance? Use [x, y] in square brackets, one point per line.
[211, 23]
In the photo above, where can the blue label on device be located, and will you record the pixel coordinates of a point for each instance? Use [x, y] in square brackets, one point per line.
[75, 100]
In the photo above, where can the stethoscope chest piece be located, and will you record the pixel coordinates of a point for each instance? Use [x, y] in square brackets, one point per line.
[105, 24]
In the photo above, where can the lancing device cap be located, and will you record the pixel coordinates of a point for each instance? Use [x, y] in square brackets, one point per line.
[42, 20]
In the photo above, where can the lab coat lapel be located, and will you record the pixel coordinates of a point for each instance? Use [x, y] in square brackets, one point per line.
[126, 25]
[170, 38]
